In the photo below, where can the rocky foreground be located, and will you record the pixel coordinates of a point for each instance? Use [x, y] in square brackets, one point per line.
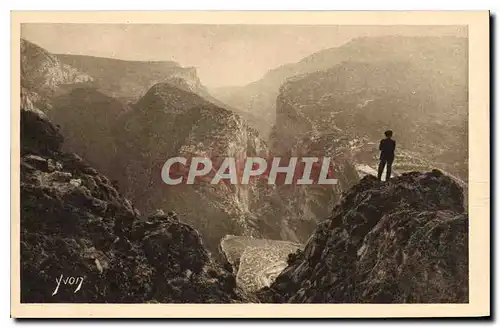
[401, 241]
[75, 226]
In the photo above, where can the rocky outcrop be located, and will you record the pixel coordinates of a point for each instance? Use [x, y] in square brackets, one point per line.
[77, 227]
[402, 241]
[42, 71]
[43, 75]
[395, 242]
[169, 122]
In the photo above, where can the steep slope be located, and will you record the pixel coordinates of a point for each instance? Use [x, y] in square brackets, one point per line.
[87, 119]
[43, 75]
[76, 225]
[403, 241]
[426, 109]
[129, 80]
[51, 75]
[169, 122]
[309, 204]
[69, 98]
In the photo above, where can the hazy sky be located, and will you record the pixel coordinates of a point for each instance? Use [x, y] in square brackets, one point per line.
[223, 54]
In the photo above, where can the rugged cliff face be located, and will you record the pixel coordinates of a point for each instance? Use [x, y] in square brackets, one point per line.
[43, 76]
[41, 70]
[70, 99]
[128, 80]
[76, 226]
[169, 122]
[359, 101]
[403, 241]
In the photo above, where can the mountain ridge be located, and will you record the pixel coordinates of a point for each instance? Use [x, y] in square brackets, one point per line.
[259, 96]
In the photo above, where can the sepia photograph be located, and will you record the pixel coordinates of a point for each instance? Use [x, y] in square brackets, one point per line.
[312, 161]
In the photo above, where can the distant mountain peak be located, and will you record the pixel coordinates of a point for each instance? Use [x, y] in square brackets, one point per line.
[43, 72]
[129, 80]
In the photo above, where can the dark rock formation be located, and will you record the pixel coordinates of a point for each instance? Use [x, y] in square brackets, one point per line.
[403, 241]
[74, 223]
[87, 119]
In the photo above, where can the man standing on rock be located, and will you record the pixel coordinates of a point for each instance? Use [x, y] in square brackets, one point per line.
[387, 147]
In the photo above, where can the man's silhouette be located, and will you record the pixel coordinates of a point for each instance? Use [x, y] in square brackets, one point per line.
[387, 147]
